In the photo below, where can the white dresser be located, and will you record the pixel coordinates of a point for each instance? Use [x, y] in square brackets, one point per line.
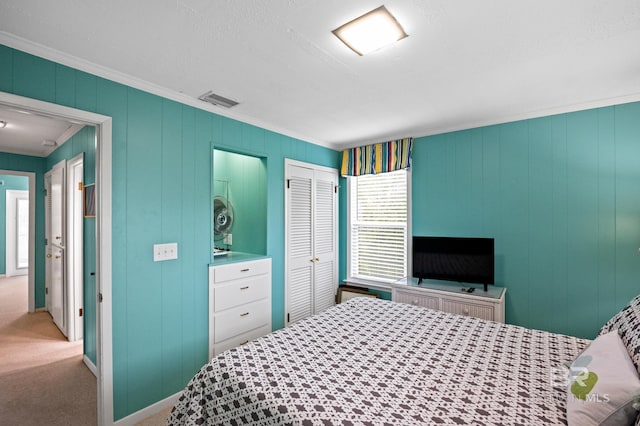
[239, 303]
[487, 305]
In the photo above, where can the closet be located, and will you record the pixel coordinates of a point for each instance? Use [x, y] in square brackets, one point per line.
[311, 251]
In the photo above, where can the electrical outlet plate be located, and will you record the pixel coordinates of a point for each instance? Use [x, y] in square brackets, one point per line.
[228, 239]
[162, 252]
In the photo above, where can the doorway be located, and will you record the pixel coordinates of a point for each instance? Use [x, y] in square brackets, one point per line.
[17, 228]
[103, 234]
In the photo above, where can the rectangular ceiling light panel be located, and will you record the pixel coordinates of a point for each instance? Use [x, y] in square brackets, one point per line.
[371, 31]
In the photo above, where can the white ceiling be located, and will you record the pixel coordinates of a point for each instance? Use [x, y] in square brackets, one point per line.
[465, 63]
[25, 132]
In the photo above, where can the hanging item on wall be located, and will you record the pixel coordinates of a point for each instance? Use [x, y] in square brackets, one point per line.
[89, 192]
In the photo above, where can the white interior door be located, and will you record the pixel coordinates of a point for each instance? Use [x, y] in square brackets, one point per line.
[299, 243]
[17, 233]
[57, 288]
[311, 274]
[74, 249]
[47, 240]
[57, 285]
[324, 241]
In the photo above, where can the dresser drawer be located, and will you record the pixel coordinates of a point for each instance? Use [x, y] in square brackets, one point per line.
[414, 298]
[240, 292]
[240, 339]
[235, 271]
[468, 309]
[241, 319]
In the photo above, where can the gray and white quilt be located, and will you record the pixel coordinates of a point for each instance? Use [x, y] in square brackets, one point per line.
[376, 362]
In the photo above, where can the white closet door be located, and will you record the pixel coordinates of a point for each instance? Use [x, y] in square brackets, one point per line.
[57, 204]
[324, 213]
[310, 234]
[299, 243]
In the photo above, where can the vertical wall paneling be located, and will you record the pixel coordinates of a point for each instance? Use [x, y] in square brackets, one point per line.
[186, 251]
[540, 152]
[144, 277]
[561, 197]
[65, 88]
[161, 177]
[6, 70]
[35, 78]
[606, 257]
[171, 206]
[627, 154]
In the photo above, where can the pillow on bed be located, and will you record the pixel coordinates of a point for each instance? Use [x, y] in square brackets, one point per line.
[627, 322]
[604, 385]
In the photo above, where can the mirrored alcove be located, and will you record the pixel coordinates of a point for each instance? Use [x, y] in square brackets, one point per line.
[239, 203]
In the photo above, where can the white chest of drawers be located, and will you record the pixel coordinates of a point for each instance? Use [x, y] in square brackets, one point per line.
[451, 298]
[239, 303]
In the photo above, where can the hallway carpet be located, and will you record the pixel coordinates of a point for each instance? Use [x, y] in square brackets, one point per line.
[43, 379]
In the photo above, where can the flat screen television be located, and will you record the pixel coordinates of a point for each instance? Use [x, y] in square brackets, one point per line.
[465, 260]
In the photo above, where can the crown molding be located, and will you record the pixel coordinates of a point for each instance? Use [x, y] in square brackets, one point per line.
[71, 61]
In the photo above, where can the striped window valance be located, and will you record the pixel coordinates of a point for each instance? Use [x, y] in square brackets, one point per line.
[377, 158]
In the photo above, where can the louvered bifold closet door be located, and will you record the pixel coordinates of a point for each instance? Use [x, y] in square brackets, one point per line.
[299, 243]
[325, 272]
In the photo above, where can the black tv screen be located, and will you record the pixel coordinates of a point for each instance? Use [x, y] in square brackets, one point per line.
[466, 260]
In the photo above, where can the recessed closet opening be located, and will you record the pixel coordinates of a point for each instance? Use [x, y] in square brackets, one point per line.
[239, 204]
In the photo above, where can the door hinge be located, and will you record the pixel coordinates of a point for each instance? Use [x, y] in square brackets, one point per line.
[46, 290]
[335, 189]
[99, 297]
[288, 318]
[288, 183]
[80, 312]
[45, 192]
[46, 242]
[79, 186]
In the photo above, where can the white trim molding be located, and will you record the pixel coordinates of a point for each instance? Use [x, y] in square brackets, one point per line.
[140, 415]
[103, 126]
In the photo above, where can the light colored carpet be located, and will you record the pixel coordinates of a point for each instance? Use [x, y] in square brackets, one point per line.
[42, 377]
[43, 380]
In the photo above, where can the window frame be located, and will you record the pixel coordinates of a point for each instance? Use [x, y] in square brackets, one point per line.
[379, 284]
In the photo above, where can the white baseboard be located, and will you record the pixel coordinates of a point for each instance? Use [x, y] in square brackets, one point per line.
[149, 411]
[90, 365]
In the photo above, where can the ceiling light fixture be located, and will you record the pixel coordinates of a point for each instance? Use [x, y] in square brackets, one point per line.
[49, 142]
[371, 31]
[3, 124]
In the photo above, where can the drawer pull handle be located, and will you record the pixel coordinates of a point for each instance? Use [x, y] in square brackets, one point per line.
[244, 288]
[245, 314]
[414, 302]
[465, 311]
[244, 270]
[244, 343]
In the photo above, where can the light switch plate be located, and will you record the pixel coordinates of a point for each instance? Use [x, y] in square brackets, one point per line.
[162, 252]
[228, 239]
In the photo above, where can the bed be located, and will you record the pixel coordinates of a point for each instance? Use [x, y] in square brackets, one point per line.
[375, 362]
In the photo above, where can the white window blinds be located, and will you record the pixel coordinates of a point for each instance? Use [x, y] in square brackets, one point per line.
[379, 226]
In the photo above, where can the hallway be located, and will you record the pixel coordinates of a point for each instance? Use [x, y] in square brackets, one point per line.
[43, 379]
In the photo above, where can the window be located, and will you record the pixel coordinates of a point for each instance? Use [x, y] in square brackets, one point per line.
[379, 227]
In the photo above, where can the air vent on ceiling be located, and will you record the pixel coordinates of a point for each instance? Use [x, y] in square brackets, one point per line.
[214, 99]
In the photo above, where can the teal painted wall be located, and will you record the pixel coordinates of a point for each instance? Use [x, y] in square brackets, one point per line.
[162, 193]
[25, 163]
[247, 188]
[561, 197]
[20, 183]
[84, 142]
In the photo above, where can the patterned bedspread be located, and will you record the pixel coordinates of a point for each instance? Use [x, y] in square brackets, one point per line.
[375, 362]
